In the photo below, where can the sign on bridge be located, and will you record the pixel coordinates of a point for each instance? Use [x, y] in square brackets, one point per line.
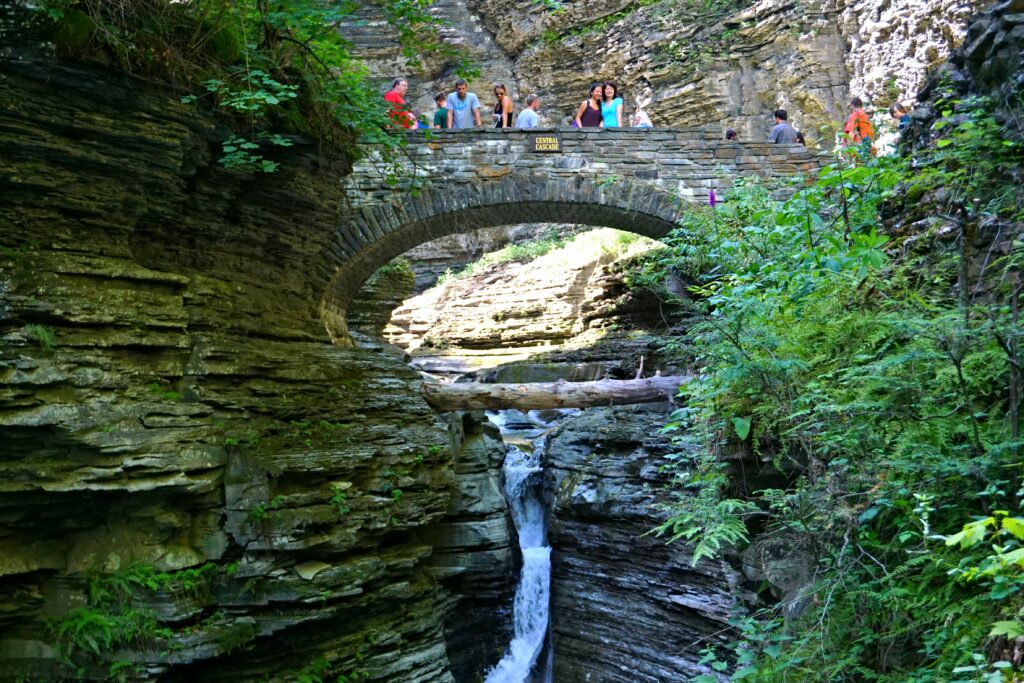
[547, 143]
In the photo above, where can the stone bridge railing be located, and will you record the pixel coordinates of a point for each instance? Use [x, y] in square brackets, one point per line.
[682, 162]
[639, 180]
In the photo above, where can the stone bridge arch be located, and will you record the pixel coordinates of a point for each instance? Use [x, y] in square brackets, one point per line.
[630, 179]
[375, 235]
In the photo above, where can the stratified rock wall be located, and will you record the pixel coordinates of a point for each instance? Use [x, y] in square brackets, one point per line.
[552, 308]
[626, 607]
[433, 259]
[377, 45]
[696, 63]
[169, 400]
[473, 554]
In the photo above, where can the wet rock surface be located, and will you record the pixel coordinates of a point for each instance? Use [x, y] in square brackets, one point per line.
[473, 554]
[625, 606]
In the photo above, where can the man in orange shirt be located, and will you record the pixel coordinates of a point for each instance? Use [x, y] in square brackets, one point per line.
[858, 126]
[396, 96]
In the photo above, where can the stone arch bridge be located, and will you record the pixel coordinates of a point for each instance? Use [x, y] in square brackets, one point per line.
[637, 180]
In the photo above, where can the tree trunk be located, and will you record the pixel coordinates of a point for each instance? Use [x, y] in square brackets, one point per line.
[545, 395]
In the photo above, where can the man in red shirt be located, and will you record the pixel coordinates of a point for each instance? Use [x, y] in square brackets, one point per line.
[396, 96]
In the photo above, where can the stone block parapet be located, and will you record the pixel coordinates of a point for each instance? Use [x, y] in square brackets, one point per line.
[682, 162]
[444, 182]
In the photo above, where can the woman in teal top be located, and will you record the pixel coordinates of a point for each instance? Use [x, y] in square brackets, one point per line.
[611, 106]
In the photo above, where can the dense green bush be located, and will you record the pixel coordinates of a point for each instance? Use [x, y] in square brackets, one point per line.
[882, 383]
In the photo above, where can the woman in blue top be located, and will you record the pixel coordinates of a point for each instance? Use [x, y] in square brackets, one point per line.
[611, 106]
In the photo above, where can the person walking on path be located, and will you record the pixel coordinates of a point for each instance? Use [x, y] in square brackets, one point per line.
[400, 116]
[589, 113]
[463, 107]
[441, 114]
[783, 133]
[502, 108]
[900, 115]
[611, 106]
[528, 117]
[857, 129]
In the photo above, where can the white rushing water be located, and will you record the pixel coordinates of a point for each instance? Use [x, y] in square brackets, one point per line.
[534, 591]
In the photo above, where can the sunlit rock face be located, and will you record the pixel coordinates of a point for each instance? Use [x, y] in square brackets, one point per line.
[892, 45]
[715, 65]
[730, 64]
[570, 306]
[433, 259]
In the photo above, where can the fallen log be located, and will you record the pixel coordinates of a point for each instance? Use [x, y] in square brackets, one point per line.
[546, 395]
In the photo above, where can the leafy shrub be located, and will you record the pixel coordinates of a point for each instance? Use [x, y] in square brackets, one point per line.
[883, 402]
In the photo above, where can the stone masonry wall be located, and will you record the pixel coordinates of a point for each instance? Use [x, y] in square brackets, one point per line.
[635, 180]
[686, 163]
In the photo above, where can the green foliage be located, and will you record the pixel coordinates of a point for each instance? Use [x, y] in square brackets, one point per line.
[73, 29]
[259, 513]
[43, 335]
[602, 24]
[123, 670]
[698, 514]
[270, 65]
[883, 402]
[396, 268]
[697, 53]
[319, 671]
[15, 254]
[163, 394]
[314, 672]
[998, 567]
[311, 433]
[339, 499]
[973, 158]
[192, 582]
[112, 617]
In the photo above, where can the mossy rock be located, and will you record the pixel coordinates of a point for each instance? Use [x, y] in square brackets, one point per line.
[916, 191]
[225, 43]
[291, 119]
[74, 31]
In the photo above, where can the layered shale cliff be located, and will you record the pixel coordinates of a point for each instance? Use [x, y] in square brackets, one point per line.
[626, 607]
[196, 483]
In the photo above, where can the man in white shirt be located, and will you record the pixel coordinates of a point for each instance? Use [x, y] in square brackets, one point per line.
[463, 107]
[528, 117]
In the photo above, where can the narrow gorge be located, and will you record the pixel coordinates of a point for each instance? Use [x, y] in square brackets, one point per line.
[226, 276]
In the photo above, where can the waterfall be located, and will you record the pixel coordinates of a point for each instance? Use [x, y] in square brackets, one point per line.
[532, 602]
